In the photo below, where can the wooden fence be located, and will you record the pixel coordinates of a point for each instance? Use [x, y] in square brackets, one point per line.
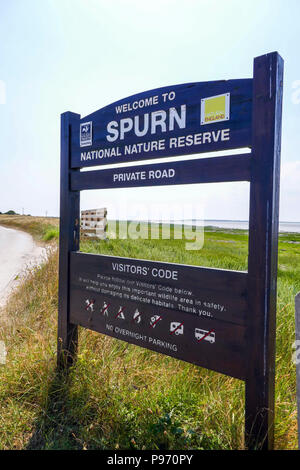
[93, 223]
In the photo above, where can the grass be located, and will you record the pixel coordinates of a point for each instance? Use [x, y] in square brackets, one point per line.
[41, 228]
[119, 396]
[222, 249]
[50, 234]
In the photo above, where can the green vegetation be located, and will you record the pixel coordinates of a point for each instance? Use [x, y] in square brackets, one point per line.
[10, 212]
[41, 228]
[119, 396]
[222, 249]
[50, 234]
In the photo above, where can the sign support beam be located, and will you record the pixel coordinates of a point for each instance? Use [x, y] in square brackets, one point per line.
[263, 250]
[68, 241]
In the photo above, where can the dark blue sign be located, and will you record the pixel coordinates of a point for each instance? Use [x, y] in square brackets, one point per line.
[219, 319]
[176, 120]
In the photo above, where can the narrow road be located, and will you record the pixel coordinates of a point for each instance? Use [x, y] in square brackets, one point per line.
[17, 250]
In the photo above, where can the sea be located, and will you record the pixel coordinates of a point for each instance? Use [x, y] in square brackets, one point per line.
[290, 227]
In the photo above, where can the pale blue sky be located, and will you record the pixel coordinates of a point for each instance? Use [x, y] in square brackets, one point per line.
[80, 55]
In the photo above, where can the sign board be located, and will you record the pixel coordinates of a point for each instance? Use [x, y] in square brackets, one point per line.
[142, 301]
[170, 121]
[219, 319]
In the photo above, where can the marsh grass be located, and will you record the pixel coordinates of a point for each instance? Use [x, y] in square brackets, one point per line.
[120, 396]
[50, 234]
[38, 227]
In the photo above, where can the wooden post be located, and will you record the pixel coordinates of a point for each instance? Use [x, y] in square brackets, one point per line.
[297, 322]
[263, 249]
[68, 241]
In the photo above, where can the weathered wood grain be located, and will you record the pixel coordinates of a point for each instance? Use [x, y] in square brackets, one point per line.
[263, 250]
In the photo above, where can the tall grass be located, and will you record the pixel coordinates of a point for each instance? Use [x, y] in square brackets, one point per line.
[41, 228]
[120, 396]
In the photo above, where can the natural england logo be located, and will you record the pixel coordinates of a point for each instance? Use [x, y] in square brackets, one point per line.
[2, 92]
[215, 109]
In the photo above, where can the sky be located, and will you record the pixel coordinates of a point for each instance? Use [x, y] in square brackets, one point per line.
[81, 55]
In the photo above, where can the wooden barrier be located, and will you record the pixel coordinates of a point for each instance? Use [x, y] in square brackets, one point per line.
[93, 223]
